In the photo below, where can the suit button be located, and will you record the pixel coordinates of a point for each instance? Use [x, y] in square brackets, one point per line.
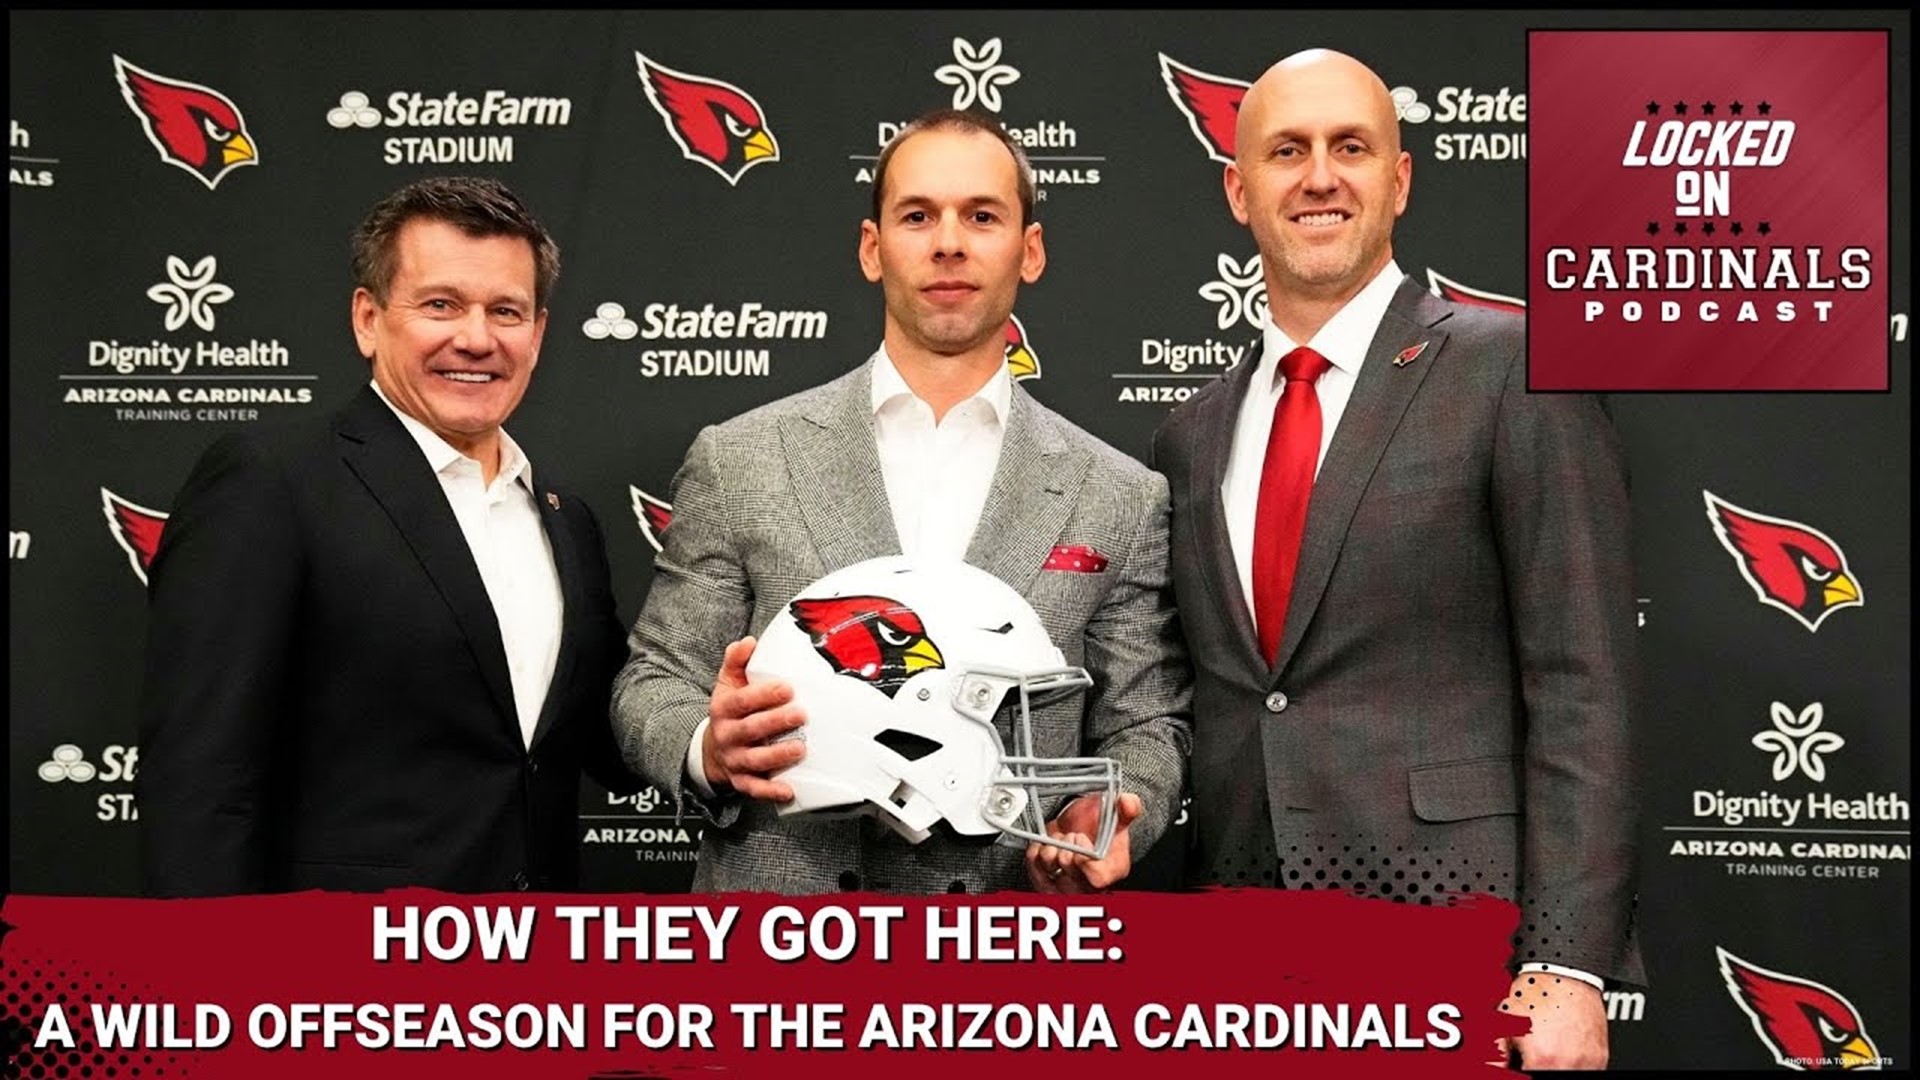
[520, 880]
[533, 766]
[957, 887]
[1276, 702]
[849, 881]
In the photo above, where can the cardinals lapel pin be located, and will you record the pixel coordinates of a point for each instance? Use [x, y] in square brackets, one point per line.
[1409, 354]
[553, 500]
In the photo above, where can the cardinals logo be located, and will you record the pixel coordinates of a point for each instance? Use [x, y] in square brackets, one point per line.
[135, 528]
[1807, 1026]
[872, 638]
[1448, 289]
[1211, 104]
[653, 515]
[1791, 566]
[195, 127]
[1022, 361]
[716, 124]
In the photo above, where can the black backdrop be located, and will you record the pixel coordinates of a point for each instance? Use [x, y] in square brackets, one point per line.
[119, 257]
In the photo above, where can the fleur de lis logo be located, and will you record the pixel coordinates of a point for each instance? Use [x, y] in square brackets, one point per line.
[1797, 742]
[977, 74]
[1241, 292]
[190, 294]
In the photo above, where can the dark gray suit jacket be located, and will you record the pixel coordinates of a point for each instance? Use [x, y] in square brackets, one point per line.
[770, 501]
[1450, 706]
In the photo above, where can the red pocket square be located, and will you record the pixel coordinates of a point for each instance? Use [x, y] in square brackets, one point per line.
[1076, 559]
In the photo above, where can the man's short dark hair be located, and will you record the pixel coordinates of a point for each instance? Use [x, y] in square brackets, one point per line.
[475, 205]
[957, 120]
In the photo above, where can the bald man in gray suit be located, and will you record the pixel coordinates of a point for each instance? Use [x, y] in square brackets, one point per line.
[1413, 668]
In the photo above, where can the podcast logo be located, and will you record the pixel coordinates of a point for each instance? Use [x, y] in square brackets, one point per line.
[1674, 243]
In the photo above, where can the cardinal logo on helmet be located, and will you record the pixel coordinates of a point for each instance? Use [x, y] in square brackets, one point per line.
[1807, 1026]
[871, 638]
[1791, 566]
[194, 127]
[715, 123]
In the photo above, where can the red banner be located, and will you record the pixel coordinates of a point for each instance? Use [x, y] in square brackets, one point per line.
[414, 983]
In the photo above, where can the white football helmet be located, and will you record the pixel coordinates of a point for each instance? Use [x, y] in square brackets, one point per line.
[902, 669]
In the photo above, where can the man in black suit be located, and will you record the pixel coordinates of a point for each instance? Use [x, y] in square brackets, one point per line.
[379, 652]
[1404, 580]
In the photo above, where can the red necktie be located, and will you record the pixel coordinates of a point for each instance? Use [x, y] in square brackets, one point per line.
[1286, 483]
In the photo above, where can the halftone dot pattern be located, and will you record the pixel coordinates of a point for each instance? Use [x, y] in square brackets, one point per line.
[29, 984]
[1408, 874]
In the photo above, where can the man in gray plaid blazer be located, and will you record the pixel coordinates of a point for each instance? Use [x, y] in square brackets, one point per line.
[926, 445]
[1437, 698]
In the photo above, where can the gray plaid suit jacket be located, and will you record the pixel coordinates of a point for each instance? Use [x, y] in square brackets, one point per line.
[772, 500]
[1450, 706]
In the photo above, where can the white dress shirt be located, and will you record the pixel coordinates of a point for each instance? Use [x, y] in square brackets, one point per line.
[1344, 341]
[937, 474]
[501, 523]
[937, 478]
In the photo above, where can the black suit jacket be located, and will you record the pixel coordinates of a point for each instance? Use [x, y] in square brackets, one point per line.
[1451, 707]
[327, 703]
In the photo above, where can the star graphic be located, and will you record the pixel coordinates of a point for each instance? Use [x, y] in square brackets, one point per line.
[1707, 108]
[1766, 227]
[1680, 228]
[1737, 228]
[1765, 108]
[1707, 228]
[1737, 108]
[1653, 108]
[1680, 108]
[1653, 228]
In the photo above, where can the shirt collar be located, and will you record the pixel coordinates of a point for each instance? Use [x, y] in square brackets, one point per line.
[441, 455]
[1345, 337]
[888, 385]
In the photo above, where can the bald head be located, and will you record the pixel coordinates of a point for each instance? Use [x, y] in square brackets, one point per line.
[1319, 176]
[1313, 83]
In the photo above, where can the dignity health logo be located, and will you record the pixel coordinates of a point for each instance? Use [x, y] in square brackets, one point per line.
[1797, 742]
[190, 293]
[977, 74]
[1674, 242]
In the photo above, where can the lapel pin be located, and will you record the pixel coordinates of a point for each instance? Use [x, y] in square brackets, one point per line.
[553, 500]
[1409, 354]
